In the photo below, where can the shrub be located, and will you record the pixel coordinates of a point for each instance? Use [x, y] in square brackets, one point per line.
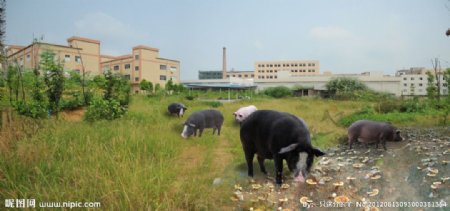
[214, 104]
[190, 97]
[32, 109]
[278, 91]
[104, 109]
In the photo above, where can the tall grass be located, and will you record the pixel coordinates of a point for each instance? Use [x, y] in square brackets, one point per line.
[141, 162]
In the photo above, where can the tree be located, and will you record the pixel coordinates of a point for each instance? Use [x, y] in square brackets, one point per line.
[437, 71]
[343, 86]
[169, 85]
[3, 55]
[157, 87]
[144, 85]
[54, 79]
[431, 88]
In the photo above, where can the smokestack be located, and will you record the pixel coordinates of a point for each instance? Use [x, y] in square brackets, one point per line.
[224, 65]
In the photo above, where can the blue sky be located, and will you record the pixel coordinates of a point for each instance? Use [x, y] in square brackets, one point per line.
[346, 36]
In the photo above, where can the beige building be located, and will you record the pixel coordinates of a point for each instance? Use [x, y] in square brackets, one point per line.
[240, 74]
[78, 48]
[289, 68]
[143, 62]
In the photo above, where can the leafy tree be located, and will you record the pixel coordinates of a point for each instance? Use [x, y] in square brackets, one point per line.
[169, 85]
[157, 87]
[54, 79]
[345, 87]
[144, 85]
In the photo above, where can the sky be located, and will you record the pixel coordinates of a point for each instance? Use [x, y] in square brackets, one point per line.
[346, 36]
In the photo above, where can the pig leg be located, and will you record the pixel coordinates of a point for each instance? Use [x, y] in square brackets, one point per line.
[214, 130]
[200, 132]
[261, 165]
[278, 170]
[351, 139]
[218, 130]
[195, 132]
[249, 158]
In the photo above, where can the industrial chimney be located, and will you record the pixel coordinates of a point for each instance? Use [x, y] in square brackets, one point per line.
[224, 65]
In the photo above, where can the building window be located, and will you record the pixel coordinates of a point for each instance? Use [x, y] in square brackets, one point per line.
[420, 78]
[405, 84]
[136, 57]
[77, 71]
[136, 68]
[127, 77]
[412, 79]
[67, 58]
[173, 68]
[163, 67]
[116, 67]
[420, 84]
[245, 75]
[78, 59]
[162, 77]
[127, 66]
[239, 75]
[253, 75]
[136, 79]
[28, 57]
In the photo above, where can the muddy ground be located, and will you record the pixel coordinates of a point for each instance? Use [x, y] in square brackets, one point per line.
[410, 175]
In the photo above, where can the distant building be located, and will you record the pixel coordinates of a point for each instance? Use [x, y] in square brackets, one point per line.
[414, 81]
[240, 74]
[143, 62]
[78, 48]
[286, 68]
[210, 74]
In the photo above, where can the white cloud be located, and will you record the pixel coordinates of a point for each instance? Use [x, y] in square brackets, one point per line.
[109, 30]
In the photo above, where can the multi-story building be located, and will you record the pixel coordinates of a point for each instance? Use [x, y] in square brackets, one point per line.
[287, 68]
[240, 74]
[78, 48]
[143, 62]
[414, 81]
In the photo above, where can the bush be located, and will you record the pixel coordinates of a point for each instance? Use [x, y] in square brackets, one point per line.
[32, 109]
[189, 97]
[214, 104]
[104, 109]
[278, 91]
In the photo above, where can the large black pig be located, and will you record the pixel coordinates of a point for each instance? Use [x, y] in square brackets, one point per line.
[278, 136]
[200, 120]
[367, 131]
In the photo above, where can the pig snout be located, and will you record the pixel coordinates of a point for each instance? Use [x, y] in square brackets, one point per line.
[184, 133]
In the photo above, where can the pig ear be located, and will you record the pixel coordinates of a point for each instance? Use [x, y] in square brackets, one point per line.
[398, 131]
[288, 148]
[317, 152]
[234, 114]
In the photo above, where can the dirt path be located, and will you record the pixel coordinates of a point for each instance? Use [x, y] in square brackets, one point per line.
[413, 171]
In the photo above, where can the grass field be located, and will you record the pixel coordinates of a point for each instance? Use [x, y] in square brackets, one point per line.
[141, 162]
